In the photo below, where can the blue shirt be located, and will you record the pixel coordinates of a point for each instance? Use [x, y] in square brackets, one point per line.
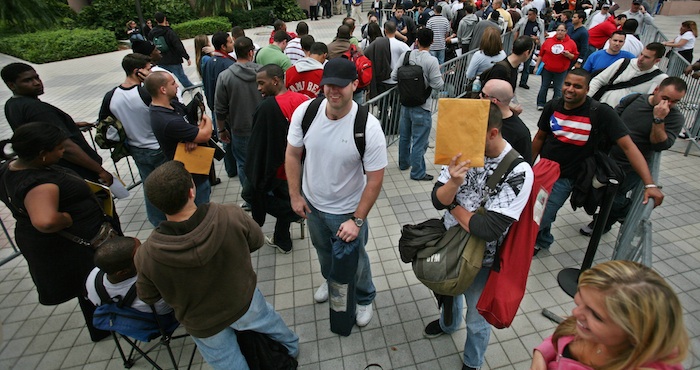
[580, 37]
[601, 59]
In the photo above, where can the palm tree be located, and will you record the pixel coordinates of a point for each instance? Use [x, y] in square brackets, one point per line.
[217, 7]
[27, 15]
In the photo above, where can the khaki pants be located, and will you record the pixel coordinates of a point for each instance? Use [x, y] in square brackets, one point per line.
[357, 14]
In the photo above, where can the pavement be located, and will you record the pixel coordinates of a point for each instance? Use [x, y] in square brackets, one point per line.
[54, 337]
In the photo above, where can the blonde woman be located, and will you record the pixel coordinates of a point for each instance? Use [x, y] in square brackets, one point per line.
[626, 317]
[684, 43]
[202, 51]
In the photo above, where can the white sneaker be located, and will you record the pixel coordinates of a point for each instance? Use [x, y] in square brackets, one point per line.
[364, 315]
[321, 294]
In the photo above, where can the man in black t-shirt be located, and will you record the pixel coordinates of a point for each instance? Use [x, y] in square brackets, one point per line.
[514, 130]
[170, 125]
[564, 131]
[25, 107]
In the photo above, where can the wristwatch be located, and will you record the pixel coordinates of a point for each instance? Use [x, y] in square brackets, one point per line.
[658, 120]
[358, 221]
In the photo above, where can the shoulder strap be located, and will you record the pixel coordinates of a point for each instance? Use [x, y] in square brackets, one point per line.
[359, 130]
[309, 115]
[125, 301]
[145, 96]
[503, 169]
[106, 101]
[595, 124]
[609, 85]
[405, 58]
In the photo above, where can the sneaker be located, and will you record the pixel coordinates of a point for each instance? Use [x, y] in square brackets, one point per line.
[245, 206]
[540, 107]
[284, 248]
[433, 330]
[321, 294]
[364, 315]
[525, 86]
[587, 230]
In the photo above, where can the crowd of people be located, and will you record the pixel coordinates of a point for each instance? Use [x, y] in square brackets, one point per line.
[290, 119]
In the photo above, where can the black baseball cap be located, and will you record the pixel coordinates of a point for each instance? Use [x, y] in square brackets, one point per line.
[339, 72]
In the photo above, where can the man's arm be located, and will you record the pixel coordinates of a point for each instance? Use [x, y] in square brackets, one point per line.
[175, 41]
[205, 130]
[292, 167]
[76, 155]
[348, 230]
[221, 108]
[435, 80]
[639, 164]
[537, 143]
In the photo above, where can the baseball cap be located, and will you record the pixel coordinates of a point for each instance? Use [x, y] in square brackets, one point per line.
[606, 5]
[339, 72]
[636, 2]
[142, 47]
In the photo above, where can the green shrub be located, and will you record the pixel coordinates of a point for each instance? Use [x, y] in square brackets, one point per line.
[206, 26]
[251, 18]
[288, 10]
[113, 14]
[51, 46]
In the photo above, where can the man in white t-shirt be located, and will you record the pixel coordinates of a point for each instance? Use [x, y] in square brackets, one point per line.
[116, 258]
[337, 195]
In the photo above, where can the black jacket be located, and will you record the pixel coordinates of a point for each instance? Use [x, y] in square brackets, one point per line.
[177, 51]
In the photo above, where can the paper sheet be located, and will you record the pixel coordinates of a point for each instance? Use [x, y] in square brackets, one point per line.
[461, 128]
[197, 161]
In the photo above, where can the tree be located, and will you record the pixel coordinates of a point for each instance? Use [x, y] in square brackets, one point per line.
[219, 7]
[29, 15]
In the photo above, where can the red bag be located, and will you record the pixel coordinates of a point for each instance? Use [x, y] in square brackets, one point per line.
[362, 64]
[505, 287]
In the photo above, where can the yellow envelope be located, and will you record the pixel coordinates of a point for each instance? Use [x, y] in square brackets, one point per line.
[197, 161]
[461, 128]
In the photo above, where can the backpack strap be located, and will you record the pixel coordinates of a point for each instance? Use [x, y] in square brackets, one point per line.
[310, 114]
[407, 55]
[509, 161]
[609, 86]
[120, 301]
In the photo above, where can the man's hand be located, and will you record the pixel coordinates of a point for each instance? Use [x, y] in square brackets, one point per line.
[189, 62]
[299, 205]
[348, 231]
[224, 136]
[654, 193]
[84, 124]
[190, 146]
[105, 177]
[458, 170]
[688, 70]
[662, 109]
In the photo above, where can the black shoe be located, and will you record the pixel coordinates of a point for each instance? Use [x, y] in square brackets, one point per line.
[587, 230]
[433, 330]
[465, 367]
[282, 247]
[425, 178]
[216, 181]
[524, 86]
[537, 250]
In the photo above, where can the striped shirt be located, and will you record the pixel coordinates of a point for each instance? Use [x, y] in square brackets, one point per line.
[294, 50]
[570, 129]
[441, 27]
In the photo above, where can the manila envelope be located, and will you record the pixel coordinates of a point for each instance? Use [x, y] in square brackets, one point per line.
[461, 128]
[197, 161]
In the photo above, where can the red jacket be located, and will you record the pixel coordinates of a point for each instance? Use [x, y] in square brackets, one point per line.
[305, 77]
[598, 35]
[552, 54]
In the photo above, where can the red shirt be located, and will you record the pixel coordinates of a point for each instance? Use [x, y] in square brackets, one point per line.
[307, 83]
[598, 35]
[288, 102]
[553, 56]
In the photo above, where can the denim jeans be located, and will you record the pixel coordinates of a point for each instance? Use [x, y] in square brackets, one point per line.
[179, 72]
[359, 96]
[202, 189]
[526, 70]
[229, 160]
[239, 148]
[478, 329]
[146, 161]
[560, 193]
[439, 54]
[414, 131]
[221, 350]
[322, 226]
[547, 77]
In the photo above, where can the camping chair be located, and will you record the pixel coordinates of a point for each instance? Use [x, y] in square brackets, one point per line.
[135, 327]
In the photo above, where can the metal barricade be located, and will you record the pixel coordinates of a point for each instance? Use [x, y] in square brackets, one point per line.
[634, 240]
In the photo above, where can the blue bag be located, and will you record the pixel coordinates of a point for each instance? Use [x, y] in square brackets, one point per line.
[341, 285]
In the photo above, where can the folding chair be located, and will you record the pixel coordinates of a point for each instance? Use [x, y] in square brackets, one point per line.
[135, 327]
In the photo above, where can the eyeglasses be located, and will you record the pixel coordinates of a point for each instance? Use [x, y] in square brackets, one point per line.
[487, 96]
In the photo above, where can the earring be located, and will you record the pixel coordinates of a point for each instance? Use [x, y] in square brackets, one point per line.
[43, 159]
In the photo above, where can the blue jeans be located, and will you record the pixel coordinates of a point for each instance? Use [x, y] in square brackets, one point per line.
[202, 190]
[146, 161]
[229, 160]
[221, 350]
[322, 226]
[359, 96]
[526, 70]
[439, 54]
[239, 148]
[179, 72]
[414, 131]
[478, 329]
[547, 77]
[560, 193]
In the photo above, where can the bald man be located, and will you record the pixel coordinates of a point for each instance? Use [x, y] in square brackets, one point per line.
[515, 132]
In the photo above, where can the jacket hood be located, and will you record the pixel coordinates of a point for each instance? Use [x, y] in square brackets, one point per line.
[470, 19]
[245, 71]
[159, 30]
[194, 249]
[307, 64]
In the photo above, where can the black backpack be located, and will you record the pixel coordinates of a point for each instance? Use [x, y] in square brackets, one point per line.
[487, 74]
[412, 89]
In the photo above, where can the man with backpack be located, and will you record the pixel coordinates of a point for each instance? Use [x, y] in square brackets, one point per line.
[170, 46]
[462, 190]
[337, 195]
[417, 74]
[569, 130]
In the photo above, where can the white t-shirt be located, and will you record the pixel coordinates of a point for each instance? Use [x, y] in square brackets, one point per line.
[130, 109]
[397, 49]
[121, 289]
[632, 44]
[333, 180]
[688, 35]
[597, 19]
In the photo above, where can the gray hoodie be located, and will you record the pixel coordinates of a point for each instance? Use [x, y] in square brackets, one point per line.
[237, 97]
[307, 64]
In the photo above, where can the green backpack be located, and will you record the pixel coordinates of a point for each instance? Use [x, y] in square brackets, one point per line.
[161, 44]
